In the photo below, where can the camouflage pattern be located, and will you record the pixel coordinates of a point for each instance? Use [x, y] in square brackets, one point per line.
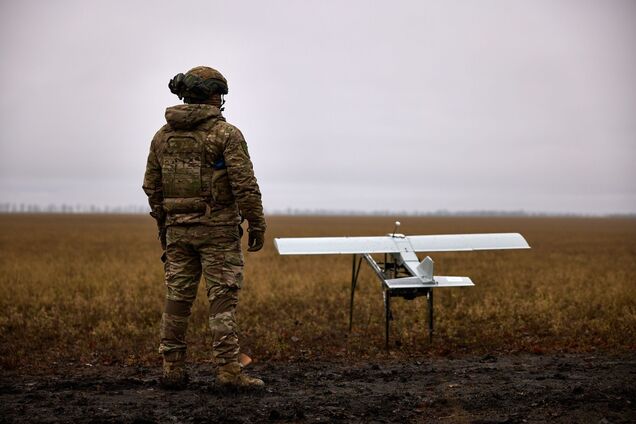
[207, 73]
[200, 184]
[215, 253]
[224, 191]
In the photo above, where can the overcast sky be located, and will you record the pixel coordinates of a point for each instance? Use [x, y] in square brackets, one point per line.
[347, 105]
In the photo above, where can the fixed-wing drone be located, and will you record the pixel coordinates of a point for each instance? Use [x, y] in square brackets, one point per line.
[401, 273]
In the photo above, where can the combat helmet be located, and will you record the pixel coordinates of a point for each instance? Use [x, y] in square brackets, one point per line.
[198, 84]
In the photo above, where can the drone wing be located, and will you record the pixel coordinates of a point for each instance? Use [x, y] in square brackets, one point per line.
[468, 242]
[398, 244]
[335, 245]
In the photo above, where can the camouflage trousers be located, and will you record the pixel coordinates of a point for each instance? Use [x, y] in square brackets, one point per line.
[215, 253]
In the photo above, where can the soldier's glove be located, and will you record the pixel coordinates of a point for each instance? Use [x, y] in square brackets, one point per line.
[255, 240]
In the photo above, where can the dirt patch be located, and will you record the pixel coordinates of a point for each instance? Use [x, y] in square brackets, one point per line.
[524, 388]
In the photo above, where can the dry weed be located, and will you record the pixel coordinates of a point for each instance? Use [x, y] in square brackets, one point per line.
[87, 289]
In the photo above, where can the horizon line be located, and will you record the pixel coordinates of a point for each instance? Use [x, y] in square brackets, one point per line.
[341, 213]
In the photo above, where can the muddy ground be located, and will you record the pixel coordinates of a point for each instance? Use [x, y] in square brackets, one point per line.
[582, 388]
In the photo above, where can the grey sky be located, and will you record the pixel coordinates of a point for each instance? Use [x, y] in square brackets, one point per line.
[364, 105]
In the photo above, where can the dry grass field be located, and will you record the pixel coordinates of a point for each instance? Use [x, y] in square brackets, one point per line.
[88, 289]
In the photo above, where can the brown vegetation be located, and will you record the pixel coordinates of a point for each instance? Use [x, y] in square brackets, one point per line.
[88, 289]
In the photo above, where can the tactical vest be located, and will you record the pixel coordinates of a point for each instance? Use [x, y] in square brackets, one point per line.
[192, 180]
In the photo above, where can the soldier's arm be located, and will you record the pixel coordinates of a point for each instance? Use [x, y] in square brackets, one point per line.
[152, 178]
[242, 180]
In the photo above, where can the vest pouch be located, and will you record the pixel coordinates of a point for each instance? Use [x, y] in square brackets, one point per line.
[221, 189]
[181, 168]
[173, 205]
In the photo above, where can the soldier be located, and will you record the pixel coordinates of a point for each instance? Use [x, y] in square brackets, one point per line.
[200, 185]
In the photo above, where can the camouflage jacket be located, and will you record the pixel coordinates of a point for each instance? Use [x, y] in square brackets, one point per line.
[227, 183]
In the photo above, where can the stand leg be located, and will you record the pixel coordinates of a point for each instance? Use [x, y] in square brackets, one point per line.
[429, 296]
[355, 271]
[353, 290]
[387, 316]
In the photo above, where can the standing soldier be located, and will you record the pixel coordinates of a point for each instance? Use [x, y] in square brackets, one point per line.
[200, 185]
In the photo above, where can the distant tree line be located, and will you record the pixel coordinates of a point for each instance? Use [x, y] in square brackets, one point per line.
[66, 208]
[390, 212]
[8, 207]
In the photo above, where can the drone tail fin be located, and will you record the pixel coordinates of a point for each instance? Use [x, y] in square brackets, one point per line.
[425, 269]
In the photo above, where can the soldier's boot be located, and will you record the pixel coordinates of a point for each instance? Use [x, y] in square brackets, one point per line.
[232, 376]
[174, 375]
